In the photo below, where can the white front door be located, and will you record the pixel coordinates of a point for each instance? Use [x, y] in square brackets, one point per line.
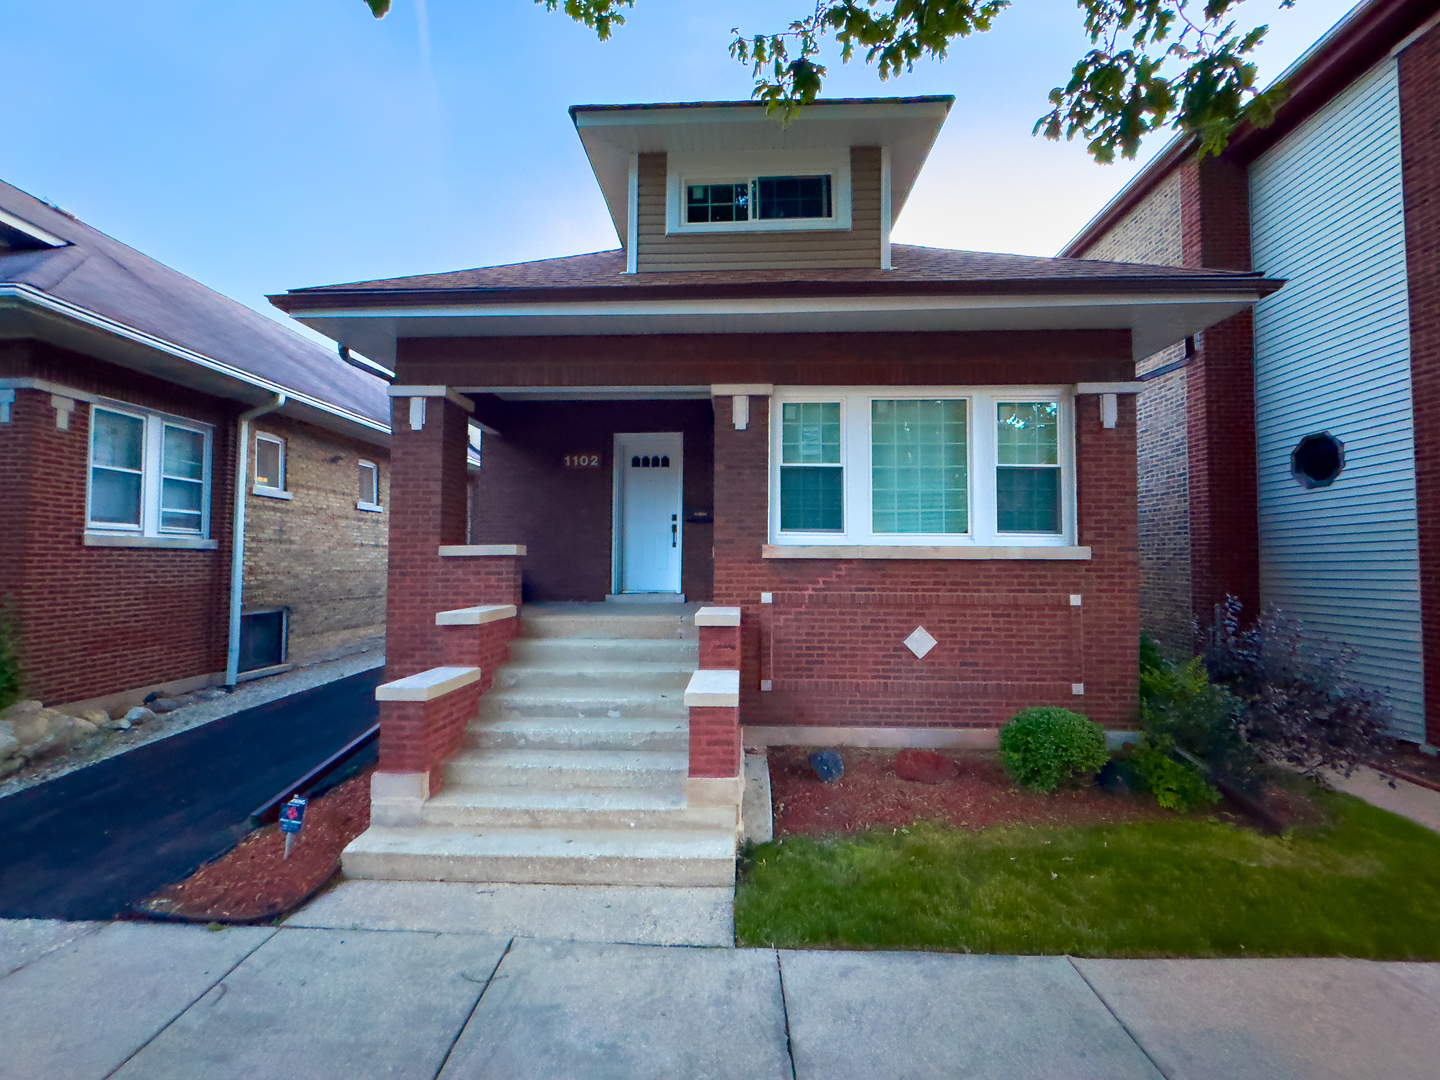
[649, 482]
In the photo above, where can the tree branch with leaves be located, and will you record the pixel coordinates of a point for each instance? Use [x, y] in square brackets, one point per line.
[1154, 64]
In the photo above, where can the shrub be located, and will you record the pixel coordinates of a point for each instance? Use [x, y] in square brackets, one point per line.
[1043, 746]
[1177, 785]
[1179, 704]
[9, 659]
[1298, 703]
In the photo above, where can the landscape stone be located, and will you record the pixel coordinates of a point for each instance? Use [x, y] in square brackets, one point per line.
[213, 693]
[65, 734]
[9, 744]
[99, 717]
[117, 725]
[925, 766]
[139, 715]
[9, 765]
[828, 765]
[20, 709]
[169, 704]
[36, 726]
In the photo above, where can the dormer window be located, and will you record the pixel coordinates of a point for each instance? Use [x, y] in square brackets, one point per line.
[758, 192]
[766, 198]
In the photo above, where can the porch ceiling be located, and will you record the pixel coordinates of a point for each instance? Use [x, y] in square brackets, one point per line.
[1155, 321]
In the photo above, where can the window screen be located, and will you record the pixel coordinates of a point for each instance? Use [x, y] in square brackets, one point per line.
[117, 455]
[793, 197]
[919, 482]
[1027, 474]
[811, 477]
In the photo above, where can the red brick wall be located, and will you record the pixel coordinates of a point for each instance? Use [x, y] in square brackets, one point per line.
[831, 641]
[418, 736]
[1220, 386]
[714, 741]
[569, 531]
[1419, 73]
[93, 621]
[427, 509]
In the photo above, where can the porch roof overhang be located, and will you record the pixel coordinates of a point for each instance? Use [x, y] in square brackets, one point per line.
[1156, 316]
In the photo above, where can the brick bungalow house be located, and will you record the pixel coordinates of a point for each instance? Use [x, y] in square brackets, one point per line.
[124, 391]
[1292, 456]
[900, 479]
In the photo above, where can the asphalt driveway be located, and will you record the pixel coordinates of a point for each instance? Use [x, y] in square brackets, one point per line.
[90, 843]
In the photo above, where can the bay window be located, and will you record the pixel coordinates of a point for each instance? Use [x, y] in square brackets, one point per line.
[922, 466]
[149, 474]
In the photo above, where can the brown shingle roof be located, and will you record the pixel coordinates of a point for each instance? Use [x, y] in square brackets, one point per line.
[601, 275]
[100, 274]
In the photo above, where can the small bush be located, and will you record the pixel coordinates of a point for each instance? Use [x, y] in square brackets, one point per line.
[1043, 746]
[1176, 785]
[9, 659]
[1298, 702]
[1179, 704]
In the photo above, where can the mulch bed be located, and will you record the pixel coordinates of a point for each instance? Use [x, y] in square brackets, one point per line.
[1408, 763]
[254, 882]
[871, 794]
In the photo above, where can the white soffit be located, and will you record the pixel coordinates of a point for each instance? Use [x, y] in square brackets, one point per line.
[1155, 321]
[612, 134]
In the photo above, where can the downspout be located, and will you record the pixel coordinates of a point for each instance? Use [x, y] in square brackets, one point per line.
[237, 542]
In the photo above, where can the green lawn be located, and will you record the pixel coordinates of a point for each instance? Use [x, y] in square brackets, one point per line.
[1367, 885]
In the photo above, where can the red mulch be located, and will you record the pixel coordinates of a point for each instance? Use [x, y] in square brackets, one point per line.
[1407, 762]
[255, 881]
[870, 794]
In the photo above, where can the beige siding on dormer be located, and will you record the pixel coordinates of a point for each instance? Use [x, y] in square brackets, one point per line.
[858, 246]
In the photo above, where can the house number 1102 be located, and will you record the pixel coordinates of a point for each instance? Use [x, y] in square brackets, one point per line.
[582, 461]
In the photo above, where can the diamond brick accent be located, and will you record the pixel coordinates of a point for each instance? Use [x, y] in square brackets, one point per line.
[920, 642]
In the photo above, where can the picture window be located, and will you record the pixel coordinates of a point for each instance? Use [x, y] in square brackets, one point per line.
[887, 467]
[763, 198]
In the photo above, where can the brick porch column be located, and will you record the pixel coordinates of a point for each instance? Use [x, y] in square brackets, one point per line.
[713, 700]
[421, 725]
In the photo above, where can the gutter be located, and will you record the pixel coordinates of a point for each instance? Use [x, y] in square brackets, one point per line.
[237, 541]
[28, 294]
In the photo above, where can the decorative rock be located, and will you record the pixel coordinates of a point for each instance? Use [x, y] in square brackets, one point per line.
[1115, 777]
[36, 726]
[9, 765]
[170, 704]
[828, 765]
[139, 715]
[20, 710]
[120, 724]
[98, 717]
[64, 735]
[925, 767]
[9, 744]
[213, 693]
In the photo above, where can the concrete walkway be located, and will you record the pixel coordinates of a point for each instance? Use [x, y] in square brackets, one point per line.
[88, 1000]
[1419, 804]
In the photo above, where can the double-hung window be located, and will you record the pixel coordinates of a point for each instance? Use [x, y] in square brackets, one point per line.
[149, 474]
[922, 466]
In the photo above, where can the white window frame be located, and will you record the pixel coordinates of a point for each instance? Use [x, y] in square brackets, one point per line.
[982, 457]
[684, 169]
[271, 491]
[372, 507]
[151, 471]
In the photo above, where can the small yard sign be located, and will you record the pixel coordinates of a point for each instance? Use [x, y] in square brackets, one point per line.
[292, 817]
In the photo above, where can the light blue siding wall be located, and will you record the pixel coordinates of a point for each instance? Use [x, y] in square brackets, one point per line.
[1332, 353]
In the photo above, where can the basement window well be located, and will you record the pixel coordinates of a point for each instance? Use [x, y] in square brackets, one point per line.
[1317, 460]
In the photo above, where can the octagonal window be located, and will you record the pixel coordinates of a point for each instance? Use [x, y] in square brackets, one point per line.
[1317, 460]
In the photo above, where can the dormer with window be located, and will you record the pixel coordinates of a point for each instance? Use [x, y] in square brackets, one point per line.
[725, 186]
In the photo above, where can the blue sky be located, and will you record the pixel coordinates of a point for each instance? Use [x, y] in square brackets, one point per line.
[259, 145]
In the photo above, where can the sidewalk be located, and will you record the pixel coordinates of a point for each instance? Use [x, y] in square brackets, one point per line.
[87, 1000]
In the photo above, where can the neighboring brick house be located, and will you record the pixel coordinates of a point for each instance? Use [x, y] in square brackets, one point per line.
[123, 388]
[905, 474]
[1289, 456]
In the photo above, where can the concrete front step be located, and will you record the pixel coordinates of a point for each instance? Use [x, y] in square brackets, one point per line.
[567, 770]
[543, 857]
[578, 702]
[506, 808]
[594, 675]
[561, 733]
[602, 624]
[589, 650]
